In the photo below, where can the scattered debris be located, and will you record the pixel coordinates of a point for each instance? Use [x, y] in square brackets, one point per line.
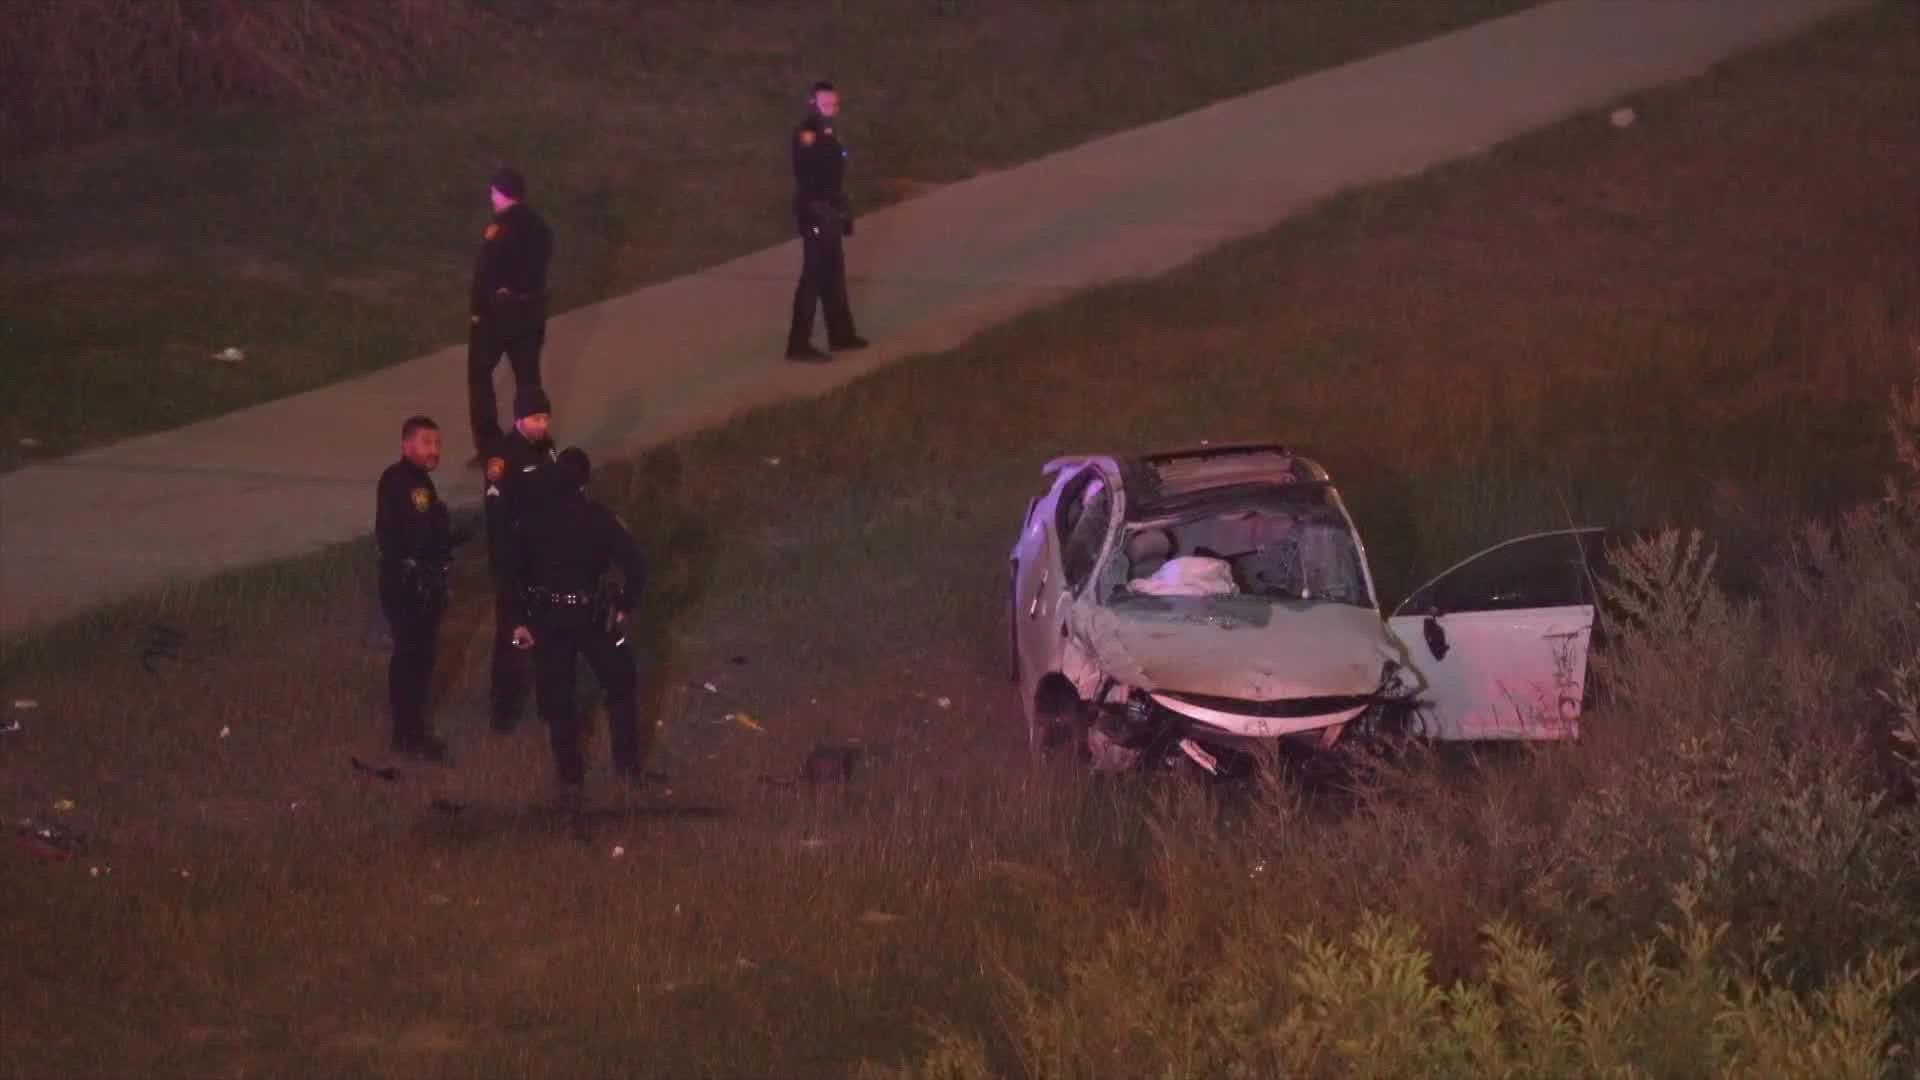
[28, 442]
[25, 704]
[828, 764]
[1200, 756]
[709, 688]
[183, 873]
[945, 703]
[295, 804]
[618, 851]
[745, 721]
[1622, 117]
[384, 772]
[230, 355]
[438, 899]
[745, 964]
[96, 871]
[9, 725]
[446, 806]
[48, 841]
[880, 918]
[773, 461]
[63, 805]
[1022, 872]
[225, 731]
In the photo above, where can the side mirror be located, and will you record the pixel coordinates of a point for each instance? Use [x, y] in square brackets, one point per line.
[1436, 637]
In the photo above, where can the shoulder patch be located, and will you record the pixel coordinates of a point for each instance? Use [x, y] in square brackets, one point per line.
[496, 468]
[807, 136]
[493, 230]
[422, 498]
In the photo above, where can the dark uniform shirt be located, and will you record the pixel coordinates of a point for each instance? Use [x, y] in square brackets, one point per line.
[409, 520]
[511, 268]
[516, 477]
[819, 173]
[569, 544]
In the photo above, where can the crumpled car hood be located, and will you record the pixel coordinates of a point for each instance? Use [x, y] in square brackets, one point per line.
[1236, 647]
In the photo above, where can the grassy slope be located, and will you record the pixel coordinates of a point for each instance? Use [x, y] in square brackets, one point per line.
[1696, 318]
[335, 242]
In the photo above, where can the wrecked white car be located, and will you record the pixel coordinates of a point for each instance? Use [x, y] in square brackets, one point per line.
[1204, 602]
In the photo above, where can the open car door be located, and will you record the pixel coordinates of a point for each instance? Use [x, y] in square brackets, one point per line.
[1498, 644]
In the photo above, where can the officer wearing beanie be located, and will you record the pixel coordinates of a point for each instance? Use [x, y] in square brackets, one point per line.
[516, 476]
[565, 547]
[508, 306]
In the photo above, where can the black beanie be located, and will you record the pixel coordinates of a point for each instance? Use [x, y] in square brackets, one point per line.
[529, 400]
[508, 181]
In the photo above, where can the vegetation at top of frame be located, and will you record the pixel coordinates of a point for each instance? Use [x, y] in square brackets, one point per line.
[305, 181]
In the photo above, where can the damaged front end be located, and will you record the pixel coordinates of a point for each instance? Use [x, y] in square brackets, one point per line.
[1219, 685]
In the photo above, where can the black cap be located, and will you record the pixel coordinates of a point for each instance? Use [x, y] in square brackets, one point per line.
[574, 466]
[508, 181]
[529, 400]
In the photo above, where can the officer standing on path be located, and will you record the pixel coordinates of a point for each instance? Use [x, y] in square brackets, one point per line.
[568, 544]
[508, 308]
[821, 212]
[516, 474]
[416, 542]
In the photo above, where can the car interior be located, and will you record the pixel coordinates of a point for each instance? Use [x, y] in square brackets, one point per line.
[1280, 555]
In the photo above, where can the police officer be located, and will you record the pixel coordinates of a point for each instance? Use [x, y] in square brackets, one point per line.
[516, 474]
[508, 308]
[569, 542]
[821, 212]
[416, 542]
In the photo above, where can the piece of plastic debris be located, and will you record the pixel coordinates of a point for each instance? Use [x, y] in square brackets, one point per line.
[1200, 757]
[618, 851]
[63, 805]
[230, 355]
[185, 874]
[25, 703]
[676, 909]
[29, 442]
[295, 805]
[945, 703]
[49, 842]
[709, 688]
[225, 731]
[880, 918]
[93, 871]
[1622, 117]
[774, 461]
[384, 772]
[747, 722]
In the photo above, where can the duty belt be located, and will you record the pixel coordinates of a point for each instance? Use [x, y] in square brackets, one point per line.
[564, 599]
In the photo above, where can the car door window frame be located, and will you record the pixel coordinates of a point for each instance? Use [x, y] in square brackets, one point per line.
[1078, 563]
[1503, 565]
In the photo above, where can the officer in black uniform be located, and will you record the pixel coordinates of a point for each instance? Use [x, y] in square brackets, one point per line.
[416, 547]
[517, 473]
[568, 544]
[508, 309]
[820, 211]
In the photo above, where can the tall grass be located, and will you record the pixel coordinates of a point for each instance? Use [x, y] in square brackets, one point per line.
[1719, 881]
[81, 65]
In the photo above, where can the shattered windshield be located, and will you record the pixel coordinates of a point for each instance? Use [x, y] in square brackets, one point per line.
[1279, 549]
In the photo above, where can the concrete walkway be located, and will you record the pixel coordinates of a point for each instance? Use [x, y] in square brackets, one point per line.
[643, 368]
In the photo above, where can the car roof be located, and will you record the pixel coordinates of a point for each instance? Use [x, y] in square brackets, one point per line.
[1163, 482]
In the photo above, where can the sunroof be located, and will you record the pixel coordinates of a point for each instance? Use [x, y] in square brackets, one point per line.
[1184, 475]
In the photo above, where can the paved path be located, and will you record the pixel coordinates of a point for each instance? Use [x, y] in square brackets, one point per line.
[296, 474]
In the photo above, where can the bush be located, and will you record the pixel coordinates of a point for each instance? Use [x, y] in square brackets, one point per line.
[80, 65]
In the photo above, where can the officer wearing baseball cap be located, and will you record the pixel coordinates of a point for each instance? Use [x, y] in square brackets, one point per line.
[508, 304]
[516, 476]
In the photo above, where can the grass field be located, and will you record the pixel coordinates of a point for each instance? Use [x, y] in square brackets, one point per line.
[1698, 320]
[332, 242]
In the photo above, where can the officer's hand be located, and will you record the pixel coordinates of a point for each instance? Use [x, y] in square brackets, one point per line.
[522, 638]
